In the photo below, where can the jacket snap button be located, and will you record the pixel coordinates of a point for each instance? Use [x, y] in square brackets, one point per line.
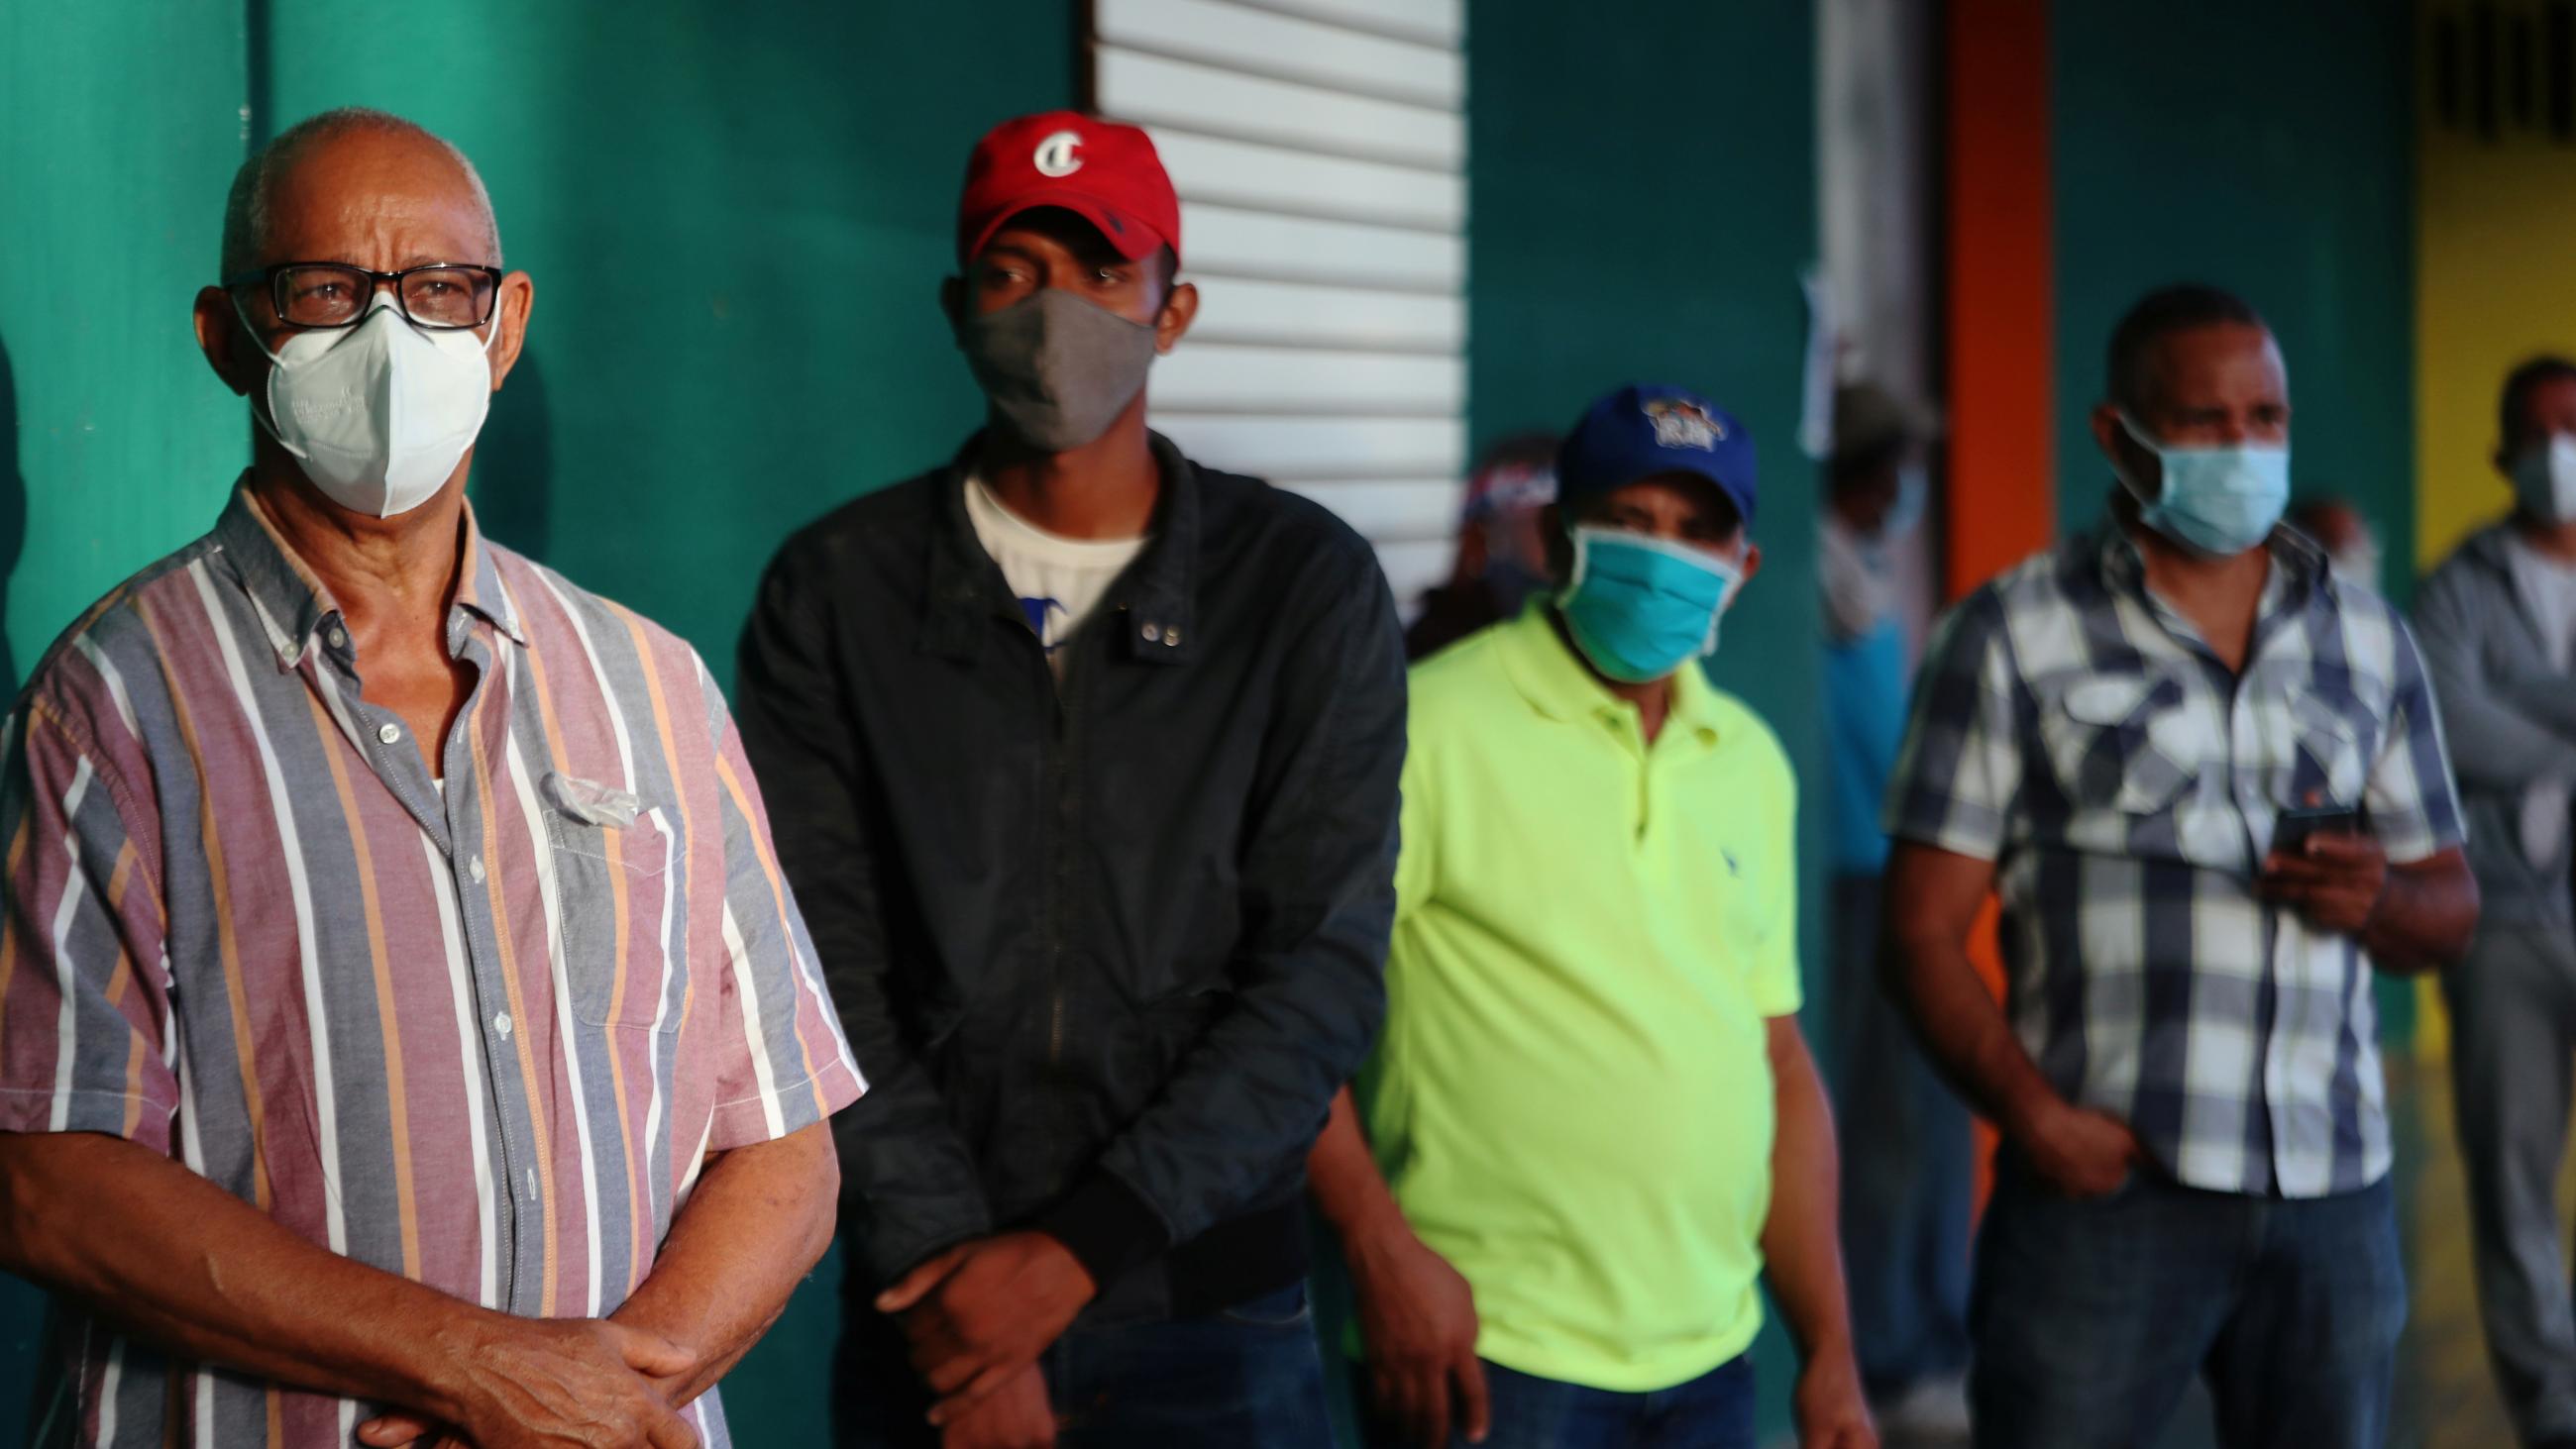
[1171, 637]
[1153, 632]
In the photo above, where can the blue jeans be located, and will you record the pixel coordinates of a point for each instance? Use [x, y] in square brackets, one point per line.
[2092, 1317]
[1909, 1162]
[1246, 1378]
[1713, 1411]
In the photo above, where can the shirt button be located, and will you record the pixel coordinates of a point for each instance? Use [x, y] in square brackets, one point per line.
[339, 638]
[501, 1023]
[1153, 632]
[475, 866]
[389, 732]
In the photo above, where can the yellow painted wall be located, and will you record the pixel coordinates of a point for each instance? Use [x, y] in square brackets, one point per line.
[2495, 283]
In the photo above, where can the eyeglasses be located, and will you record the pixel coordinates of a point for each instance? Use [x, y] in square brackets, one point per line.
[335, 294]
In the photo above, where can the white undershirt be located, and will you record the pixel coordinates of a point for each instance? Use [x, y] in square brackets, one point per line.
[1059, 581]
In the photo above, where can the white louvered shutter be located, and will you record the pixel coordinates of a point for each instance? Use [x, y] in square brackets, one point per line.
[1320, 149]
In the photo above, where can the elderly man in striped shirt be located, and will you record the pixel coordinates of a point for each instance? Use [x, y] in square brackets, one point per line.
[405, 1033]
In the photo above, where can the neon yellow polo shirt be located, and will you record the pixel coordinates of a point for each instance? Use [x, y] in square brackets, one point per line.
[1572, 1098]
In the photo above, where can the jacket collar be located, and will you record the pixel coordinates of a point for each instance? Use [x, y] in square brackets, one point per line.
[1154, 603]
[294, 605]
[1543, 667]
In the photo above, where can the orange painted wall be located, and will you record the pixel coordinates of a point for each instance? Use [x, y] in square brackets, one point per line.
[1999, 346]
[1999, 325]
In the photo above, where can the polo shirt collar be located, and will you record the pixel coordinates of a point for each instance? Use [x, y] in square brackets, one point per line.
[294, 605]
[1546, 671]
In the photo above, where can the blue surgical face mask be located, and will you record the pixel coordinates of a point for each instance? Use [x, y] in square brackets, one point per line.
[2218, 500]
[1639, 607]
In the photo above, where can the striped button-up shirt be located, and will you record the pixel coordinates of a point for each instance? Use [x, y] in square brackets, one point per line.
[2077, 731]
[480, 1029]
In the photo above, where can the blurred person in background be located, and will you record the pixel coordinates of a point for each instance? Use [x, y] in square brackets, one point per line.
[1086, 763]
[1502, 554]
[2337, 526]
[2498, 620]
[404, 1034]
[1909, 1159]
[2209, 786]
[1592, 1125]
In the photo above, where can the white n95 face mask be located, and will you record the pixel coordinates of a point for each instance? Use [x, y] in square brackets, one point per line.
[378, 413]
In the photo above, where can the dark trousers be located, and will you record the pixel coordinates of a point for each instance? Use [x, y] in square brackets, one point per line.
[2091, 1318]
[1713, 1411]
[1247, 1378]
[1909, 1167]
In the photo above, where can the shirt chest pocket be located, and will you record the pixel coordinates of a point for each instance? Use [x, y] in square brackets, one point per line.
[2120, 742]
[2334, 734]
[612, 876]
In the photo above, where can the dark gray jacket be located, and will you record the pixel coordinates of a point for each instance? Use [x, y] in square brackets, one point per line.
[1106, 947]
[2510, 715]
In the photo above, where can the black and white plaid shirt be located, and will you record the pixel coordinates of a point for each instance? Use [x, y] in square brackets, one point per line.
[2078, 733]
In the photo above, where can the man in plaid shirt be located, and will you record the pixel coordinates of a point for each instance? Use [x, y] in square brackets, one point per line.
[2111, 737]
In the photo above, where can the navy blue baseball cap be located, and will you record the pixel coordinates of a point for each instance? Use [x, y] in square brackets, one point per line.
[1641, 431]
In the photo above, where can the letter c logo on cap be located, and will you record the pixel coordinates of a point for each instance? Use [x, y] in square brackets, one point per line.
[1057, 155]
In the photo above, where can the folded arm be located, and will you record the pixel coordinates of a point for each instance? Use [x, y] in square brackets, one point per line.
[147, 1244]
[2503, 736]
[755, 1225]
[151, 1247]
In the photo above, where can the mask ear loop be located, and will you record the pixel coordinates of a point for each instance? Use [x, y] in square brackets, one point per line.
[1582, 564]
[1725, 601]
[2120, 470]
[495, 324]
[263, 409]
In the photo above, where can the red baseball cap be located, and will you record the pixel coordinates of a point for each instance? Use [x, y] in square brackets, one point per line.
[1105, 173]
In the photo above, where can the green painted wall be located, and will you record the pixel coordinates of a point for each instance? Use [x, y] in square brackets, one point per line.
[1636, 217]
[2275, 161]
[115, 441]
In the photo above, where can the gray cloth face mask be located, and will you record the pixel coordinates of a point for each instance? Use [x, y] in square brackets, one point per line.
[1058, 369]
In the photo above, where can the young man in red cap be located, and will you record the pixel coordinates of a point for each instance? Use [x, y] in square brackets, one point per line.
[1085, 766]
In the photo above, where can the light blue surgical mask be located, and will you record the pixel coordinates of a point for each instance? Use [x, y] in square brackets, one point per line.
[2218, 500]
[1639, 607]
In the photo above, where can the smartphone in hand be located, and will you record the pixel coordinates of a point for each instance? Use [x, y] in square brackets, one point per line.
[2290, 833]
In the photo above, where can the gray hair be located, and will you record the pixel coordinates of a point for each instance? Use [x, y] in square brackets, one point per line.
[246, 207]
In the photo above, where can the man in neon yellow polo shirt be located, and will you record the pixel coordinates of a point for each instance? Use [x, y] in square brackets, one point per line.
[1591, 1124]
